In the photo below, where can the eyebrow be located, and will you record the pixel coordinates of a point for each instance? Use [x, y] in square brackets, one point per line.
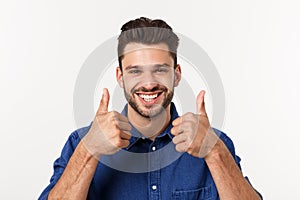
[140, 66]
[132, 67]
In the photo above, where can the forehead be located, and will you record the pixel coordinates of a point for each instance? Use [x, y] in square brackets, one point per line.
[143, 54]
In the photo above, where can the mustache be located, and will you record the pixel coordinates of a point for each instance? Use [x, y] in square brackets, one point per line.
[143, 89]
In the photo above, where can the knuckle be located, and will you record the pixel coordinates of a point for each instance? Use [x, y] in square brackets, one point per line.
[185, 137]
[130, 127]
[189, 114]
[109, 116]
[114, 125]
[127, 126]
[190, 124]
[118, 142]
[173, 130]
[126, 143]
[114, 117]
[118, 132]
[191, 130]
[174, 140]
[113, 121]
[195, 119]
[114, 113]
[116, 122]
[190, 147]
[128, 135]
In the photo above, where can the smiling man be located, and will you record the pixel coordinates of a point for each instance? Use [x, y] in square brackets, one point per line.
[148, 76]
[207, 167]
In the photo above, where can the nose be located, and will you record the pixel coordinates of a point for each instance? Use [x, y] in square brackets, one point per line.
[150, 85]
[149, 80]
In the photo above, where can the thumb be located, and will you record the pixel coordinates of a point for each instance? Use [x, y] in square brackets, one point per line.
[104, 101]
[200, 103]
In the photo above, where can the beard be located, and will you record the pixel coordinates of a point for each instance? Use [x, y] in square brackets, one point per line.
[150, 111]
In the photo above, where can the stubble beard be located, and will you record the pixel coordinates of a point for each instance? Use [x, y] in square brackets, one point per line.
[154, 110]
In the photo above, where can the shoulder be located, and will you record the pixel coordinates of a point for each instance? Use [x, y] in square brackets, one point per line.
[76, 136]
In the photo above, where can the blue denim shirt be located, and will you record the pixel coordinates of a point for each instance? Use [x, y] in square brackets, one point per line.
[165, 174]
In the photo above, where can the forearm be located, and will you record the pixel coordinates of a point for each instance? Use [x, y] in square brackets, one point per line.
[228, 178]
[76, 178]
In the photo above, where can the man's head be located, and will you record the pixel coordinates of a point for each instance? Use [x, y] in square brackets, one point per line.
[148, 69]
[147, 31]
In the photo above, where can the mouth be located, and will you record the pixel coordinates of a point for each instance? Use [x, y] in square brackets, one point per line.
[149, 98]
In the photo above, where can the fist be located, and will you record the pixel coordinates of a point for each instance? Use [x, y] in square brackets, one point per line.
[192, 131]
[110, 131]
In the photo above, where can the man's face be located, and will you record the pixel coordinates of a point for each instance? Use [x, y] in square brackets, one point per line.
[148, 78]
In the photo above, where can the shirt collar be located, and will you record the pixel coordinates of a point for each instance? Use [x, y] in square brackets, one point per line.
[136, 135]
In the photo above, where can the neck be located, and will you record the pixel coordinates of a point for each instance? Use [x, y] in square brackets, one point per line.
[149, 127]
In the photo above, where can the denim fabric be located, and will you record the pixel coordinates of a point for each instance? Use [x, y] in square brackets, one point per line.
[187, 177]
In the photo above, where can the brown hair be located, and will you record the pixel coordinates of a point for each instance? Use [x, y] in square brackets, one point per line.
[147, 31]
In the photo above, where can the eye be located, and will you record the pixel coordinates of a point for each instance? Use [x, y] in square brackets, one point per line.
[134, 71]
[162, 70]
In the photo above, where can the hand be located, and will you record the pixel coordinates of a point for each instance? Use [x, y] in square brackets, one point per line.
[109, 132]
[192, 132]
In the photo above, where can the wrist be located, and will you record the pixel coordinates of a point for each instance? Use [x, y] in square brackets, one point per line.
[86, 152]
[216, 153]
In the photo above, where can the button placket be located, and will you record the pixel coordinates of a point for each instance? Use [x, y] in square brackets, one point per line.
[154, 174]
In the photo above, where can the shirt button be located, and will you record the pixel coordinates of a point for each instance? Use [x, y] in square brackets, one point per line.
[154, 187]
[153, 148]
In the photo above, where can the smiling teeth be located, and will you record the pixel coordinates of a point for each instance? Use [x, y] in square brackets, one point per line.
[148, 98]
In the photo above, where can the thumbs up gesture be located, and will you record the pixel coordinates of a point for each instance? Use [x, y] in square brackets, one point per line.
[109, 132]
[192, 132]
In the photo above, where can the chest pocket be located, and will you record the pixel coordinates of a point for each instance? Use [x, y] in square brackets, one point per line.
[204, 193]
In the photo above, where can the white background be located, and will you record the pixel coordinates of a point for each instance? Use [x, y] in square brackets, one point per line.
[254, 44]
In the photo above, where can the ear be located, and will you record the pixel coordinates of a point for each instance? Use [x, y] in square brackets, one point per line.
[119, 77]
[177, 75]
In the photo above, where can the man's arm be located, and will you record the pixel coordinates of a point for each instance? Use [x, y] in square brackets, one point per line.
[109, 133]
[75, 181]
[194, 135]
[228, 178]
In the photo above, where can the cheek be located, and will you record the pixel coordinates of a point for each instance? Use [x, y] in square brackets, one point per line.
[129, 84]
[168, 81]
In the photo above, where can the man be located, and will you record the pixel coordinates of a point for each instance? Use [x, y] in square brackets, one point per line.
[207, 167]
